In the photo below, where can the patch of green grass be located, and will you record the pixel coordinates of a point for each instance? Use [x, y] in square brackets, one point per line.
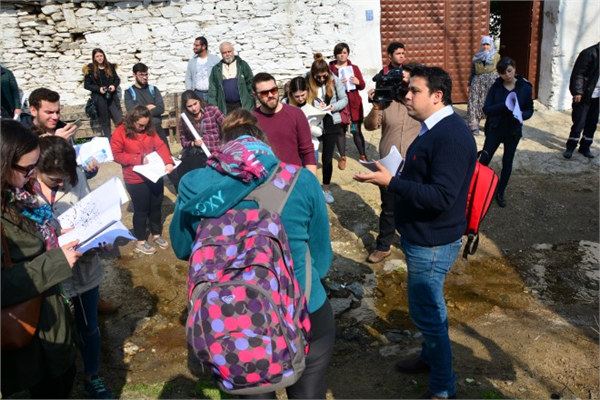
[418, 388]
[155, 389]
[209, 391]
[490, 394]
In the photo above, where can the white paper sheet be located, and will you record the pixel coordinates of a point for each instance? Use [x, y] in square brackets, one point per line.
[313, 114]
[391, 162]
[347, 72]
[86, 150]
[512, 103]
[96, 218]
[155, 169]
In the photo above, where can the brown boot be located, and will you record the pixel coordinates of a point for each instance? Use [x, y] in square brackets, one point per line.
[378, 256]
[342, 163]
[364, 158]
[105, 307]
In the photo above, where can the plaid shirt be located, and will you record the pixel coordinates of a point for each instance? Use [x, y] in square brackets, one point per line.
[211, 132]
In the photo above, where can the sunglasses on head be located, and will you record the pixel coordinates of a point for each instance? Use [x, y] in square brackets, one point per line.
[266, 93]
[322, 77]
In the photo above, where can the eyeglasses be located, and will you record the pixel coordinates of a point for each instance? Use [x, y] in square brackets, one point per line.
[142, 74]
[322, 77]
[27, 171]
[265, 93]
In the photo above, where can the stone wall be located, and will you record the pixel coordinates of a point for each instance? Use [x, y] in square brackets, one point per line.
[48, 43]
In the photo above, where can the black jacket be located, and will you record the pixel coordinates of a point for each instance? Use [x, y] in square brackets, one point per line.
[93, 84]
[495, 107]
[585, 73]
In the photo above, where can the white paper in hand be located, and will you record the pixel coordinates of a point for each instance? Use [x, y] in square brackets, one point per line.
[96, 218]
[155, 169]
[512, 103]
[391, 162]
[347, 72]
[97, 144]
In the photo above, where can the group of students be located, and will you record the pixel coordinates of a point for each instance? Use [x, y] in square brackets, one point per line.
[41, 179]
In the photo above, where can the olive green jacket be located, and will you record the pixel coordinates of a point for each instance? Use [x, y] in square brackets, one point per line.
[34, 271]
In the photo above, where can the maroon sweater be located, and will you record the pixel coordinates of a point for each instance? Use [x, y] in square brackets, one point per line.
[289, 135]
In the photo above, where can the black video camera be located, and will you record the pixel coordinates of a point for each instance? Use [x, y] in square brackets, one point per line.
[388, 85]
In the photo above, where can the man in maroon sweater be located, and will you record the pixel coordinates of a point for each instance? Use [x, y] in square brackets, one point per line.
[286, 127]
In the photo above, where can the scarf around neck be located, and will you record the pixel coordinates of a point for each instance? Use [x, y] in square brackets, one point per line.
[28, 206]
[238, 158]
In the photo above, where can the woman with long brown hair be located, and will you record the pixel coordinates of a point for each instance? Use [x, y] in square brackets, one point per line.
[326, 92]
[33, 265]
[206, 121]
[131, 144]
[102, 80]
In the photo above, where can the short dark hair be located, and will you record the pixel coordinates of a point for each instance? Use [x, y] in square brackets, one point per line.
[394, 46]
[140, 67]
[504, 63]
[262, 77]
[411, 66]
[57, 156]
[203, 41]
[36, 97]
[339, 48]
[437, 79]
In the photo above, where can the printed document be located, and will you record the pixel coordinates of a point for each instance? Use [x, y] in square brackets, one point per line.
[96, 218]
[391, 162]
[155, 169]
[512, 103]
[347, 72]
[97, 144]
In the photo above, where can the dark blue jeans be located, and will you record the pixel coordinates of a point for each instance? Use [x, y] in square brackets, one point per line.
[585, 118]
[86, 318]
[427, 269]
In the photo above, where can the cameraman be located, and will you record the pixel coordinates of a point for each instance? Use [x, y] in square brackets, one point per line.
[396, 54]
[399, 129]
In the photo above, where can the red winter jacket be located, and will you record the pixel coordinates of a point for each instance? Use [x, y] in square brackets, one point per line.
[129, 152]
[354, 99]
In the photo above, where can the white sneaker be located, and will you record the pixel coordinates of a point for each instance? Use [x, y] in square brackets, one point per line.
[328, 196]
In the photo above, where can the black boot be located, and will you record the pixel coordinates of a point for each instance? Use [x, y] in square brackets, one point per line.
[586, 152]
[500, 199]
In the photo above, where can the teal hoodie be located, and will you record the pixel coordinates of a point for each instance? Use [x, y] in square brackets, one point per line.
[207, 193]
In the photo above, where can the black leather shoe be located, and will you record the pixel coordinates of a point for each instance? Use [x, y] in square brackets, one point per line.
[415, 366]
[568, 153]
[501, 200]
[586, 153]
[430, 395]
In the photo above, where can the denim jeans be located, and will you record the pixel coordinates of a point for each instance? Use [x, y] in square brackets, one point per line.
[203, 95]
[86, 318]
[427, 269]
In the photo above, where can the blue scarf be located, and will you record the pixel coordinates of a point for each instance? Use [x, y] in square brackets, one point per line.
[485, 57]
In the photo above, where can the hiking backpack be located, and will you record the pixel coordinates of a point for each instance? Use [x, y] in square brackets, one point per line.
[248, 318]
[481, 194]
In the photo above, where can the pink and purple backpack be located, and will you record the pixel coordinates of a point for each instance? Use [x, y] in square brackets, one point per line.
[248, 319]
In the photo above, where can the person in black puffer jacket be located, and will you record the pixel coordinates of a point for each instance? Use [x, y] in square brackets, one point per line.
[102, 80]
[585, 88]
[501, 126]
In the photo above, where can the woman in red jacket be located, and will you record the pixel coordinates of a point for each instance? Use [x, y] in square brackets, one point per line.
[341, 52]
[131, 143]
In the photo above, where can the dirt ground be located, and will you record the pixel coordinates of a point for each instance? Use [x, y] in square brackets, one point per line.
[523, 311]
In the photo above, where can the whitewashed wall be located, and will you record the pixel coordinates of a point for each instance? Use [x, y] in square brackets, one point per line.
[47, 45]
[569, 26]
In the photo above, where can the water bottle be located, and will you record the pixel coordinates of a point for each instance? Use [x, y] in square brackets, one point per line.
[100, 156]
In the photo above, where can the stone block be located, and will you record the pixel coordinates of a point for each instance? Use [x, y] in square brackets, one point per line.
[70, 18]
[170, 12]
[226, 5]
[140, 32]
[50, 9]
[85, 12]
[191, 9]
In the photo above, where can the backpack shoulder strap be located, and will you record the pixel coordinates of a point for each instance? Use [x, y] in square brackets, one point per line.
[273, 194]
[132, 93]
